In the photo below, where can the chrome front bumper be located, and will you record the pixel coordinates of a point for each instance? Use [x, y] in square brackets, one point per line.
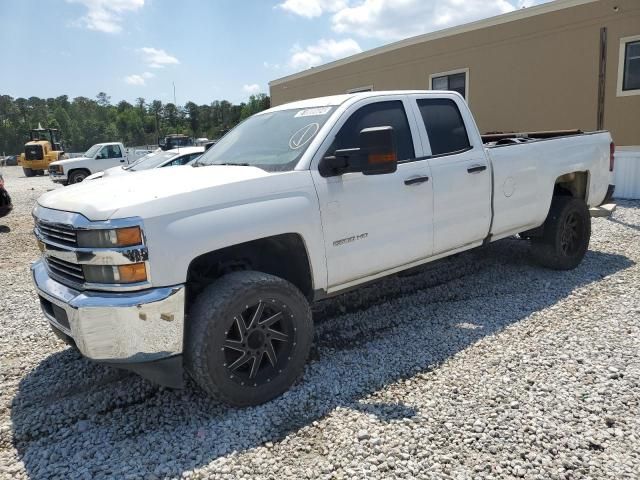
[58, 178]
[127, 328]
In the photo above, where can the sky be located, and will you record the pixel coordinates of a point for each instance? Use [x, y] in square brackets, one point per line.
[210, 49]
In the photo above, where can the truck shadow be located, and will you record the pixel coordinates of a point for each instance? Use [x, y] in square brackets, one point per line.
[76, 418]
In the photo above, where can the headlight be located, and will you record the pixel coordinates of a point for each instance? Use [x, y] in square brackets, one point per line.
[119, 237]
[133, 273]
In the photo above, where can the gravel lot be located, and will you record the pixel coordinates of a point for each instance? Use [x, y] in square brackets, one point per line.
[481, 366]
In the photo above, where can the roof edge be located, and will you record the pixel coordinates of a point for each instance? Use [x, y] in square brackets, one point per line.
[519, 14]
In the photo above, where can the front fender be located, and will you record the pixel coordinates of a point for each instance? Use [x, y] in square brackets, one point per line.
[174, 242]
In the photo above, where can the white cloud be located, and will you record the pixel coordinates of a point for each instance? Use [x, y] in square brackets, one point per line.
[135, 79]
[251, 89]
[271, 66]
[322, 52]
[138, 80]
[396, 19]
[312, 8]
[157, 58]
[106, 15]
[390, 20]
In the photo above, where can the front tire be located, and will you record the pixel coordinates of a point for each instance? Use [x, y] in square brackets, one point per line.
[248, 338]
[77, 176]
[567, 231]
[28, 172]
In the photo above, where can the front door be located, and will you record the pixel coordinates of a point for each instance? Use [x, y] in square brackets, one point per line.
[373, 223]
[110, 156]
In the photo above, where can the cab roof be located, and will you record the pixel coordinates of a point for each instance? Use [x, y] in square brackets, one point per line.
[335, 100]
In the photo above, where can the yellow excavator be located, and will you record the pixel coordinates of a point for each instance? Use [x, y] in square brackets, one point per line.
[45, 146]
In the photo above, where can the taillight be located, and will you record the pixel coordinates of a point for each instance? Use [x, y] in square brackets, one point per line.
[612, 156]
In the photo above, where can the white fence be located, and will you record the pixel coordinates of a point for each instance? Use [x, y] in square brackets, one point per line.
[627, 173]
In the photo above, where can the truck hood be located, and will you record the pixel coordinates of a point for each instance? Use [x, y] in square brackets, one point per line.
[119, 170]
[156, 191]
[70, 160]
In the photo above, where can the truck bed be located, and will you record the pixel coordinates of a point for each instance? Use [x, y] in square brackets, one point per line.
[521, 173]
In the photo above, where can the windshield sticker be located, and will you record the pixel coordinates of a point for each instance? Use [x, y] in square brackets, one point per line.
[303, 136]
[313, 112]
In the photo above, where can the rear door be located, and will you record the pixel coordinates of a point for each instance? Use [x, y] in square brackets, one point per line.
[373, 223]
[460, 170]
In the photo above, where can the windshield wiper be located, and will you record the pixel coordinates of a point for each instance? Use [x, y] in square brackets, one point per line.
[198, 164]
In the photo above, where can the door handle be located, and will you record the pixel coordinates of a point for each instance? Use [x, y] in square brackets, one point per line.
[476, 168]
[416, 180]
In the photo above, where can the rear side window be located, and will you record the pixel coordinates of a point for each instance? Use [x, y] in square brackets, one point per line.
[444, 124]
[380, 114]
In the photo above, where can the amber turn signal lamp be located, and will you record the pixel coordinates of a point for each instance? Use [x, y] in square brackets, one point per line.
[129, 236]
[133, 273]
[382, 157]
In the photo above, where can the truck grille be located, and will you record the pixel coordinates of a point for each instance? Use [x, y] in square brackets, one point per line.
[33, 152]
[57, 233]
[67, 270]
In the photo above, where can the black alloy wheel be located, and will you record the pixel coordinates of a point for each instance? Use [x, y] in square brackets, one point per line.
[258, 342]
[248, 335]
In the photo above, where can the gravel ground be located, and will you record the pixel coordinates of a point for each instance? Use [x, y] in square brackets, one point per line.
[481, 366]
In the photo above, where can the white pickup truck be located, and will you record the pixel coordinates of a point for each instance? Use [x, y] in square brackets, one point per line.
[210, 267]
[98, 158]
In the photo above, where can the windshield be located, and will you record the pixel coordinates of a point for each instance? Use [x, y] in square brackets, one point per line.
[142, 159]
[92, 151]
[151, 161]
[272, 141]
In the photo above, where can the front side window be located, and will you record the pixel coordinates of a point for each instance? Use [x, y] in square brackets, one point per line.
[445, 126]
[114, 151]
[456, 82]
[380, 114]
[104, 153]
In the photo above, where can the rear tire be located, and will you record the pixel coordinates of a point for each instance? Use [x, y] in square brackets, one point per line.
[566, 235]
[248, 338]
[39, 172]
[77, 176]
[28, 172]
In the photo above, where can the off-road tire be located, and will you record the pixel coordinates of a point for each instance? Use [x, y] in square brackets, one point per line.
[28, 172]
[568, 218]
[211, 319]
[77, 176]
[40, 172]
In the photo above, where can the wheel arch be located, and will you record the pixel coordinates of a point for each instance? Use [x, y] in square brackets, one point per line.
[285, 256]
[77, 169]
[573, 184]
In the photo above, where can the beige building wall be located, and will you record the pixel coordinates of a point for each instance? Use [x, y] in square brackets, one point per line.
[536, 73]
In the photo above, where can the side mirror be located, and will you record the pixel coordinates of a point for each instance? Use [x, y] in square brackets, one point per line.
[379, 154]
[376, 155]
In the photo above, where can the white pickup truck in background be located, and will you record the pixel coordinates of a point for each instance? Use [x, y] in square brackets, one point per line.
[98, 158]
[211, 267]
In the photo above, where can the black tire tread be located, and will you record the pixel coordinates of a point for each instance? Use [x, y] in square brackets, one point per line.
[216, 297]
[73, 172]
[544, 249]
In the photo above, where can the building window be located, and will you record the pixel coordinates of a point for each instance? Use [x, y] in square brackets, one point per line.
[629, 66]
[368, 88]
[456, 80]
